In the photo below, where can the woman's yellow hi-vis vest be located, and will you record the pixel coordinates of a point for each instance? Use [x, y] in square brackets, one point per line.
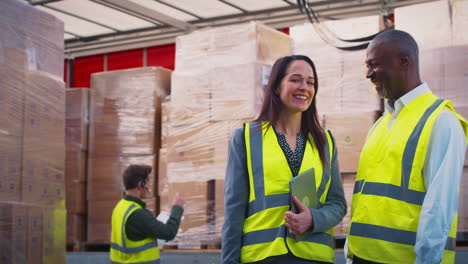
[124, 250]
[264, 232]
[389, 189]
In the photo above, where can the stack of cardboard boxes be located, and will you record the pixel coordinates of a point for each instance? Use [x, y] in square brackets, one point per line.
[32, 136]
[217, 85]
[76, 132]
[125, 128]
[347, 102]
[439, 28]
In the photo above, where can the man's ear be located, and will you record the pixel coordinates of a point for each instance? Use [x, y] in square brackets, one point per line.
[405, 61]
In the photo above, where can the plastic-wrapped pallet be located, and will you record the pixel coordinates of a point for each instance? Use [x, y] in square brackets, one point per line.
[217, 85]
[76, 141]
[125, 128]
[211, 48]
[32, 125]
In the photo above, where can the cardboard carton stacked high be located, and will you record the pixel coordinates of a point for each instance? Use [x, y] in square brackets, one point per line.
[439, 28]
[216, 86]
[347, 102]
[76, 130]
[125, 128]
[32, 130]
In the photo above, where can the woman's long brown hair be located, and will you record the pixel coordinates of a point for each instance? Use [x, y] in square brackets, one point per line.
[272, 106]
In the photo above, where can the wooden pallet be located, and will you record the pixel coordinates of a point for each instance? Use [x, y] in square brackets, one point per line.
[75, 246]
[214, 244]
[96, 246]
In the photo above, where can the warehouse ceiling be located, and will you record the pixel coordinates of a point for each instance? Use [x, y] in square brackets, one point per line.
[99, 26]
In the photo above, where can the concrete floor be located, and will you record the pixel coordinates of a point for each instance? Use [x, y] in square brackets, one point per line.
[200, 258]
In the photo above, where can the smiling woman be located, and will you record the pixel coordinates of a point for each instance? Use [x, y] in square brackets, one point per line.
[284, 141]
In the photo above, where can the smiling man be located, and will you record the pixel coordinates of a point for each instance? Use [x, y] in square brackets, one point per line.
[405, 200]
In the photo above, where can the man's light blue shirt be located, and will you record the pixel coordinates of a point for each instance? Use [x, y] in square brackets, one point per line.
[443, 168]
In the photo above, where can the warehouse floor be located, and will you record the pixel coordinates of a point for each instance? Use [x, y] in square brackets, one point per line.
[200, 258]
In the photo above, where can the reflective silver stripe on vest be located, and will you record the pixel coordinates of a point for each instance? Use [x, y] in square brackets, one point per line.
[358, 186]
[402, 193]
[383, 233]
[157, 261]
[124, 243]
[410, 149]
[124, 248]
[450, 244]
[130, 250]
[270, 234]
[262, 201]
[326, 171]
[268, 201]
[256, 156]
[391, 234]
[395, 192]
[263, 236]
[319, 238]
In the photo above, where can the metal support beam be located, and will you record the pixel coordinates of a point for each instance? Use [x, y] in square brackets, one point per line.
[42, 2]
[149, 13]
[289, 3]
[233, 5]
[179, 9]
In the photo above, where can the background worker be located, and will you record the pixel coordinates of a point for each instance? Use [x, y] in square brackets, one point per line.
[134, 228]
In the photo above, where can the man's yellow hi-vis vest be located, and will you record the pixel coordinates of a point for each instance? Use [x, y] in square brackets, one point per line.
[264, 232]
[389, 189]
[124, 250]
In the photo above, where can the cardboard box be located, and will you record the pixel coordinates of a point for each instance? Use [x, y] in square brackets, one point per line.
[10, 171]
[76, 165]
[77, 111]
[44, 134]
[38, 33]
[210, 48]
[195, 226]
[456, 74]
[54, 235]
[13, 230]
[43, 192]
[463, 203]
[165, 108]
[12, 88]
[219, 207]
[76, 197]
[350, 132]
[162, 172]
[76, 228]
[459, 22]
[435, 24]
[348, 185]
[216, 96]
[418, 19]
[35, 234]
[125, 111]
[99, 220]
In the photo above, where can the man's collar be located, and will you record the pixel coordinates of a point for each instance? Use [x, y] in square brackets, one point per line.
[407, 98]
[134, 199]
